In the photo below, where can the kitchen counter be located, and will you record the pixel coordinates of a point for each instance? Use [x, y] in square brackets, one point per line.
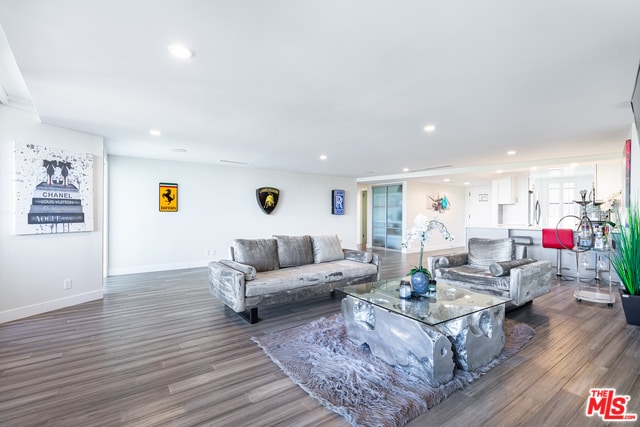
[523, 234]
[531, 237]
[512, 226]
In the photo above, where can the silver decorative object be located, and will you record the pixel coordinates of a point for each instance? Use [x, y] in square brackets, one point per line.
[426, 336]
[477, 338]
[399, 340]
[405, 289]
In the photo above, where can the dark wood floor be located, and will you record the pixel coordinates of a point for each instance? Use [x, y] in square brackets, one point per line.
[159, 350]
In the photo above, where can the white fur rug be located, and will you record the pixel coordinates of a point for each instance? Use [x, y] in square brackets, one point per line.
[350, 381]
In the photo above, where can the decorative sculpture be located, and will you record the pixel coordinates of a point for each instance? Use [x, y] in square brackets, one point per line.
[422, 231]
[267, 198]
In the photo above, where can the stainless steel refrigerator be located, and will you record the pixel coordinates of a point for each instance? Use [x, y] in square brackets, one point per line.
[534, 208]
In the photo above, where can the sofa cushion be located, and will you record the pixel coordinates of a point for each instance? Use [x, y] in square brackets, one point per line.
[482, 252]
[262, 254]
[294, 250]
[298, 278]
[503, 268]
[326, 248]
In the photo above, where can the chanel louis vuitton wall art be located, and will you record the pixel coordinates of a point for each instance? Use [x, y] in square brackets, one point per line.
[267, 198]
[53, 190]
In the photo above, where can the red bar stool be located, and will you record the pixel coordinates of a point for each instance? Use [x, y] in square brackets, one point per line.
[558, 238]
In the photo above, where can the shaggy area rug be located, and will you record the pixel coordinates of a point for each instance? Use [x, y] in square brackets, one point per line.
[349, 380]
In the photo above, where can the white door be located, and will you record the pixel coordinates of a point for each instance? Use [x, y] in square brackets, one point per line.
[364, 209]
[478, 206]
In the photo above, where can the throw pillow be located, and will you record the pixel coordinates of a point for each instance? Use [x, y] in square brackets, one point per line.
[262, 254]
[326, 248]
[482, 252]
[360, 256]
[443, 262]
[503, 268]
[294, 250]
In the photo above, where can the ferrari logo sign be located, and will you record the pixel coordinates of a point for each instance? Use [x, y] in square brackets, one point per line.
[168, 197]
[267, 198]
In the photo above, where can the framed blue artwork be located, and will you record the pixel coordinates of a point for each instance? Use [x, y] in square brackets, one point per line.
[337, 202]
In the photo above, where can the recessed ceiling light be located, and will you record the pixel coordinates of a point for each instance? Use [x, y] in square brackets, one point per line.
[405, 169]
[467, 183]
[323, 157]
[429, 128]
[499, 171]
[511, 153]
[447, 180]
[155, 132]
[180, 51]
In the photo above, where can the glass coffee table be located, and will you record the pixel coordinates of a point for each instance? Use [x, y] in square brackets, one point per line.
[426, 335]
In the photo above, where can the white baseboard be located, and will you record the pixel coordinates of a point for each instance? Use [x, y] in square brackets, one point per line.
[157, 267]
[44, 307]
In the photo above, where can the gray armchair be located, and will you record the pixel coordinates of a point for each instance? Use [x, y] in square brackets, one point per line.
[495, 266]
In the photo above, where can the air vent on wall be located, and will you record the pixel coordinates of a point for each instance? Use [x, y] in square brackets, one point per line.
[233, 162]
[431, 168]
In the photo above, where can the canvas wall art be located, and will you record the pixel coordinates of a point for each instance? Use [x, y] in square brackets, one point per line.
[627, 173]
[53, 190]
[337, 202]
[168, 197]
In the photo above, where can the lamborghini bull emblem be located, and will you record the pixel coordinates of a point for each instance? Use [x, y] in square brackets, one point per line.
[267, 198]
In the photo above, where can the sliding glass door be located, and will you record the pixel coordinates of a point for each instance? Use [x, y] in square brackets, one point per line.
[387, 216]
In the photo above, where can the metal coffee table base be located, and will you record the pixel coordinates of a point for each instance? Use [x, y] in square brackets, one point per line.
[429, 352]
[477, 338]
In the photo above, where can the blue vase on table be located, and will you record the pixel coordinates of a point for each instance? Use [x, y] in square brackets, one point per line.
[419, 283]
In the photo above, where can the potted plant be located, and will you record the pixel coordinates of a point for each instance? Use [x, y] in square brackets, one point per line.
[626, 263]
[420, 276]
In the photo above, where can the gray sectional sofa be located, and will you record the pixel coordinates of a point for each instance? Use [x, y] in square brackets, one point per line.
[495, 266]
[284, 269]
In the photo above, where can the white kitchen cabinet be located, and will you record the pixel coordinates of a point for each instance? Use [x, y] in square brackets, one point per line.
[507, 190]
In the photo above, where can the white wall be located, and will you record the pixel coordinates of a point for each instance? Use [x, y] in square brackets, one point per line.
[34, 267]
[216, 205]
[418, 201]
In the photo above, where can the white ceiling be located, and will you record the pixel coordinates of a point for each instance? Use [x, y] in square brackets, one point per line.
[275, 84]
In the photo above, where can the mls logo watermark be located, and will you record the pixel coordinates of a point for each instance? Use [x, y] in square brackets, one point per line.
[604, 403]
